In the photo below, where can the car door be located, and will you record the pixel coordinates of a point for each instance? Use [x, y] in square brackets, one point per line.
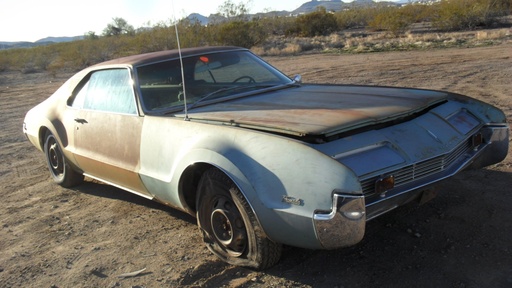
[108, 129]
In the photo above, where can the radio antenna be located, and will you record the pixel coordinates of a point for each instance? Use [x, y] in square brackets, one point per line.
[181, 63]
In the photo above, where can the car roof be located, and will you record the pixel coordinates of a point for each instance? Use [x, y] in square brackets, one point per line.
[147, 58]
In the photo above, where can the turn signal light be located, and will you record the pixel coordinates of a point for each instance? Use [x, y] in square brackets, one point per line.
[477, 140]
[385, 184]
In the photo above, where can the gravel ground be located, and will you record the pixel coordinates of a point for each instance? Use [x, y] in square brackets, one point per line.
[89, 235]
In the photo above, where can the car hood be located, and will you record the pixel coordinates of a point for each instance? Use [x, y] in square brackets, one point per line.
[319, 109]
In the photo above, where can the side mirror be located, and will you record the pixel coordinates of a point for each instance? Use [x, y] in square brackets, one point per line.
[297, 79]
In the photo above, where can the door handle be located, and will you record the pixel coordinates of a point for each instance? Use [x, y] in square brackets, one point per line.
[80, 120]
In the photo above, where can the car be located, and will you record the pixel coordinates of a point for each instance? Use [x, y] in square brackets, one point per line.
[261, 159]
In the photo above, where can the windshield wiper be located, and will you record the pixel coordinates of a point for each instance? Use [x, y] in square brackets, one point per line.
[224, 89]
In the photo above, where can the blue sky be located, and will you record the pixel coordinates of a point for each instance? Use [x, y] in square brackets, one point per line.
[31, 20]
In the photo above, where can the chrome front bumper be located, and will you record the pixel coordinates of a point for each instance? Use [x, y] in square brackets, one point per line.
[344, 225]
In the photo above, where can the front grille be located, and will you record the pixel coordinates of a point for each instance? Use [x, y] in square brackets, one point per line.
[420, 170]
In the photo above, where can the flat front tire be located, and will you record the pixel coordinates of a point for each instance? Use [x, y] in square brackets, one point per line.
[229, 226]
[58, 165]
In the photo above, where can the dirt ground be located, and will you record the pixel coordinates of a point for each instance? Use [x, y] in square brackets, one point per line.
[89, 235]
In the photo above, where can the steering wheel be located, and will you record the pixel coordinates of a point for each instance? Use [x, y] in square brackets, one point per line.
[251, 80]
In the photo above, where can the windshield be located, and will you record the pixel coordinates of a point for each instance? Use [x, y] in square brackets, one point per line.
[216, 76]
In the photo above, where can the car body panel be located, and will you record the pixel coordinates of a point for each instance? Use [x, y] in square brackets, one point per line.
[320, 109]
[116, 160]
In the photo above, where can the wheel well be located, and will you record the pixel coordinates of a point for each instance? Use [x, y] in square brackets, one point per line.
[189, 182]
[42, 134]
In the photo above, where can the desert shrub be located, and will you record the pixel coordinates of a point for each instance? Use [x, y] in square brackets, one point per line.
[44, 56]
[277, 25]
[6, 59]
[309, 46]
[316, 23]
[193, 34]
[468, 14]
[417, 12]
[77, 55]
[392, 19]
[158, 38]
[355, 16]
[84, 53]
[21, 59]
[241, 33]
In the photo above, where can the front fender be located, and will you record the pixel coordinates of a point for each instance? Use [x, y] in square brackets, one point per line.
[284, 180]
[292, 181]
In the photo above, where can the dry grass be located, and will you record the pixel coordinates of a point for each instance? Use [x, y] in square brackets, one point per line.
[363, 41]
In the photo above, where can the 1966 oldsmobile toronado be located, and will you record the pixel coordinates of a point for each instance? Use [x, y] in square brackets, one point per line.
[260, 159]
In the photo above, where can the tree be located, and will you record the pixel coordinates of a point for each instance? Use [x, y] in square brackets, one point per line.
[91, 35]
[118, 27]
[233, 11]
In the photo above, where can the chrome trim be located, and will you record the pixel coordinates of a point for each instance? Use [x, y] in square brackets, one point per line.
[344, 225]
[119, 186]
[492, 151]
[461, 155]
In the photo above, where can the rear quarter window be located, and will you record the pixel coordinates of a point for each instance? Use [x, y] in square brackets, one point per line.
[109, 91]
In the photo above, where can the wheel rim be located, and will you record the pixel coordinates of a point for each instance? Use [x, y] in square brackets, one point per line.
[55, 158]
[228, 227]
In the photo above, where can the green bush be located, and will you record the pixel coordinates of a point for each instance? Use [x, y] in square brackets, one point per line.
[468, 14]
[356, 16]
[7, 59]
[241, 33]
[392, 19]
[277, 25]
[417, 12]
[318, 23]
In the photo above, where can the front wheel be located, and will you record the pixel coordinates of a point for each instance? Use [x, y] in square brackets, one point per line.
[229, 226]
[58, 165]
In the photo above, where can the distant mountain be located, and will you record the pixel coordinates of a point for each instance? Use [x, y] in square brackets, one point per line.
[312, 6]
[20, 44]
[40, 42]
[404, 2]
[195, 17]
[338, 5]
[59, 39]
[307, 7]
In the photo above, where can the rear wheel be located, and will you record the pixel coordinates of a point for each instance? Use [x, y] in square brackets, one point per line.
[229, 226]
[58, 165]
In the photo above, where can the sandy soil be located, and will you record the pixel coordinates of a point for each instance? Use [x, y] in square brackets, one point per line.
[88, 236]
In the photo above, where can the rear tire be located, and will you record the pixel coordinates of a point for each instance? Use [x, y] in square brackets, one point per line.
[58, 165]
[229, 226]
